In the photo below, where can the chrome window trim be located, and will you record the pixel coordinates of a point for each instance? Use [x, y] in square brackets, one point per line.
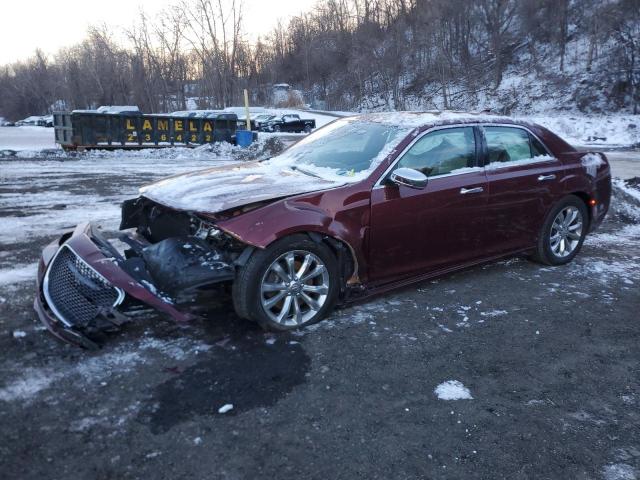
[418, 137]
[45, 284]
[459, 125]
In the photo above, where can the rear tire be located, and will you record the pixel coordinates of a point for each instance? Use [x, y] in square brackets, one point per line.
[290, 284]
[563, 232]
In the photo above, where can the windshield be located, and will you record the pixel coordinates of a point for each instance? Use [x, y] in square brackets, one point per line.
[346, 149]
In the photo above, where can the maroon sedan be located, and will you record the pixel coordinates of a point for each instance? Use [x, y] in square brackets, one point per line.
[361, 206]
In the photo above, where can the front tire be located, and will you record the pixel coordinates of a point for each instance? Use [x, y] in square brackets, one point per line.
[563, 232]
[291, 284]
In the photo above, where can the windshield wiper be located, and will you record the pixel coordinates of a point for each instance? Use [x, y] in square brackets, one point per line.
[306, 172]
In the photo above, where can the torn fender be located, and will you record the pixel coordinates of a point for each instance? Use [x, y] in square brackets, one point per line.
[342, 214]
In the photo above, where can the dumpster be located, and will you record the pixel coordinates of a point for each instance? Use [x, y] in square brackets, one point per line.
[133, 130]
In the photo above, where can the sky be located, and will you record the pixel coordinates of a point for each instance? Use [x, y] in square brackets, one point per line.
[50, 24]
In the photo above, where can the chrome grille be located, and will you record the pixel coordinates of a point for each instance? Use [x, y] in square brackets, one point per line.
[75, 291]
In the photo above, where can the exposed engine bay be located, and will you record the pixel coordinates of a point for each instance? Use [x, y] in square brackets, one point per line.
[176, 250]
[87, 286]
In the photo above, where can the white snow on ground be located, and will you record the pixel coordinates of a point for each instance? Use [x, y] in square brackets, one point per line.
[606, 271]
[20, 273]
[619, 471]
[26, 138]
[628, 190]
[452, 390]
[59, 204]
[586, 130]
[93, 370]
[31, 383]
[494, 313]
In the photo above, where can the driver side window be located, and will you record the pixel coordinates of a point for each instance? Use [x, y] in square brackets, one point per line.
[441, 152]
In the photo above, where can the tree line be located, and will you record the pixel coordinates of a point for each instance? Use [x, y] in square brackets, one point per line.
[344, 54]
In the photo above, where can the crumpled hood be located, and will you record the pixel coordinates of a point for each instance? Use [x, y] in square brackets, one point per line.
[221, 188]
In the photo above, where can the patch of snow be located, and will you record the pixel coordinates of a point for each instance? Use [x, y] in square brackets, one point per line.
[84, 424]
[117, 108]
[580, 129]
[418, 119]
[626, 235]
[517, 163]
[494, 313]
[591, 162]
[152, 288]
[227, 407]
[605, 271]
[619, 471]
[27, 138]
[452, 390]
[94, 370]
[178, 349]
[18, 274]
[32, 382]
[635, 193]
[218, 189]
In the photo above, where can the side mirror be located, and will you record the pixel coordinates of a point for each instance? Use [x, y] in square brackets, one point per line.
[409, 178]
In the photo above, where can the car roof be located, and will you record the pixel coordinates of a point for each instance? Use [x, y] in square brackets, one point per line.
[435, 117]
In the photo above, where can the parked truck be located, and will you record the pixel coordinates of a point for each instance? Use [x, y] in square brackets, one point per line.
[288, 123]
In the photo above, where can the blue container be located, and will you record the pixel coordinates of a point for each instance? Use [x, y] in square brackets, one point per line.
[244, 138]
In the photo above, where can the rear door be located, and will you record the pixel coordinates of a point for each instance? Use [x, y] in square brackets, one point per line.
[523, 181]
[413, 231]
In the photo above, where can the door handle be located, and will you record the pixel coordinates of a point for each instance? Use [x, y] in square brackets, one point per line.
[542, 178]
[464, 191]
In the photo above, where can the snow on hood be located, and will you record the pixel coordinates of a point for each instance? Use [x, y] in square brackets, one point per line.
[221, 188]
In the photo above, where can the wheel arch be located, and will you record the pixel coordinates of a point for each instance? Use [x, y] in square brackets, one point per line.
[344, 252]
[585, 197]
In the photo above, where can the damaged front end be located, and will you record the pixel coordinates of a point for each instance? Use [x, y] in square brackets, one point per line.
[87, 287]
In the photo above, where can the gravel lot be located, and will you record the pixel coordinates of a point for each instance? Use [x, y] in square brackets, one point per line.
[550, 357]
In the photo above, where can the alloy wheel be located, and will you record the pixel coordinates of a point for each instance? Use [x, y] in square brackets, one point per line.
[566, 231]
[294, 288]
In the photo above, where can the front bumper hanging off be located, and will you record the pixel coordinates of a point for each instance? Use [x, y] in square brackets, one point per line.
[82, 282]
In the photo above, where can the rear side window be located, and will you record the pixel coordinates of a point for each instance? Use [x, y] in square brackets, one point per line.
[537, 149]
[507, 144]
[441, 152]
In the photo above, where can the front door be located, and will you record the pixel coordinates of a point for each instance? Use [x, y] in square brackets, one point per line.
[420, 230]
